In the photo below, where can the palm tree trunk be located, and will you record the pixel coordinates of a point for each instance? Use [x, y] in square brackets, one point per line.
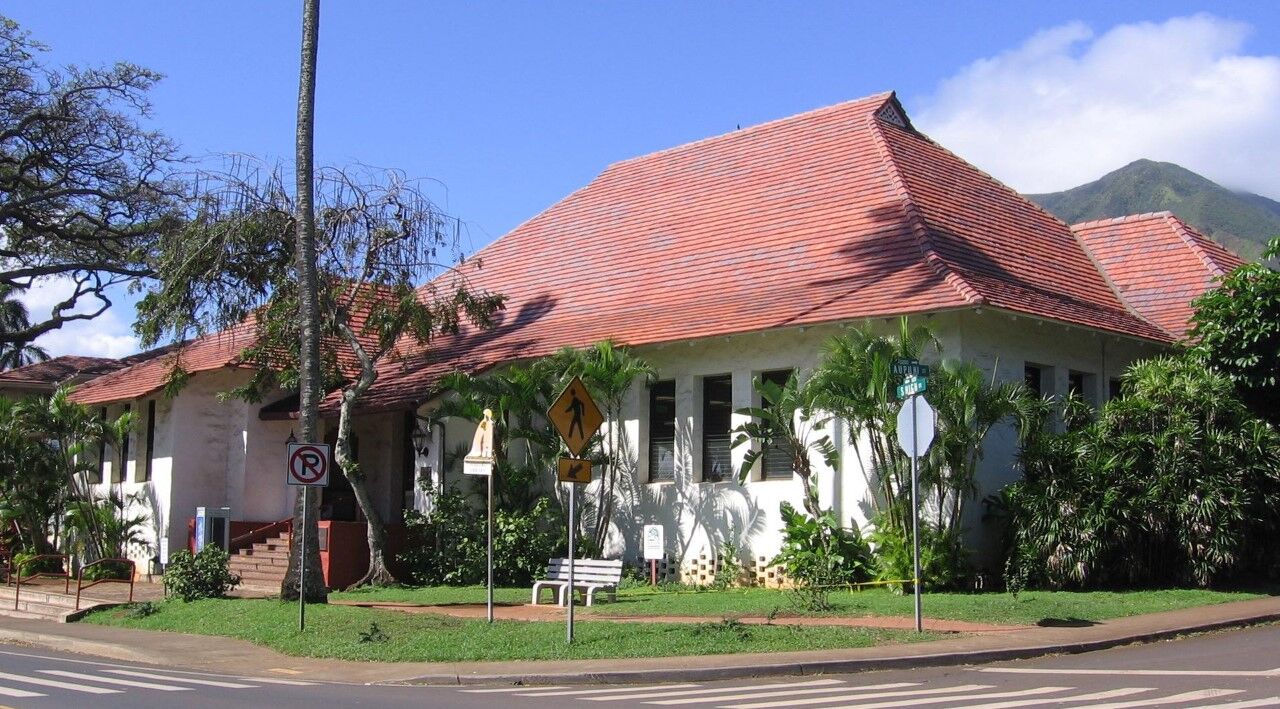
[310, 384]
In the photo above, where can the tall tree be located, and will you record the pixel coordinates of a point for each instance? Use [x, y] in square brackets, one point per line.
[14, 318]
[85, 191]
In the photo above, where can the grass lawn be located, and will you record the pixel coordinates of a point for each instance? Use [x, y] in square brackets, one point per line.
[347, 633]
[1027, 608]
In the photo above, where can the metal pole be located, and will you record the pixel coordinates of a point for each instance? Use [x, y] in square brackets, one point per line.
[573, 494]
[915, 515]
[302, 563]
[490, 544]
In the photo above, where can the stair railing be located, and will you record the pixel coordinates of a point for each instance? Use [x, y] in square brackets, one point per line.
[248, 539]
[19, 580]
[81, 585]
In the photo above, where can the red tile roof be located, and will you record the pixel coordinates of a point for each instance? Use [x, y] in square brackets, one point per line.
[832, 215]
[48, 375]
[1157, 263]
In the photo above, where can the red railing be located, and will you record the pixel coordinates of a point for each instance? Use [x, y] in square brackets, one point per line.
[80, 584]
[19, 580]
[259, 535]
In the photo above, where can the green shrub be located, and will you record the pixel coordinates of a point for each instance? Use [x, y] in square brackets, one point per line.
[145, 609]
[728, 566]
[818, 554]
[26, 563]
[204, 575]
[447, 545]
[943, 557]
[108, 570]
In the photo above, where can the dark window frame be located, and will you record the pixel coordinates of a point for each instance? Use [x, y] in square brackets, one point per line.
[717, 460]
[776, 464]
[150, 451]
[657, 434]
[124, 450]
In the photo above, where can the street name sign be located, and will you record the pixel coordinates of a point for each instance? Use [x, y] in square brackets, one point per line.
[905, 366]
[575, 417]
[911, 385]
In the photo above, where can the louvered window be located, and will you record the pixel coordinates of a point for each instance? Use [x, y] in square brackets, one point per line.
[662, 432]
[776, 463]
[717, 417]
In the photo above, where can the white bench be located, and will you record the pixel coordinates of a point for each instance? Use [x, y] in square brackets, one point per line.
[589, 576]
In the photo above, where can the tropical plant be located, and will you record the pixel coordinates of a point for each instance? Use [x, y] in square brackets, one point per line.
[14, 318]
[943, 557]
[206, 574]
[1236, 328]
[785, 422]
[1176, 482]
[817, 555]
[103, 527]
[32, 485]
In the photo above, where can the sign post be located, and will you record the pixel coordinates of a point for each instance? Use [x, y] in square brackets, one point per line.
[576, 418]
[307, 466]
[480, 461]
[916, 421]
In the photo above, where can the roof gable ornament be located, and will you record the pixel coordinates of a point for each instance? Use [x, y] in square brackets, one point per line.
[891, 113]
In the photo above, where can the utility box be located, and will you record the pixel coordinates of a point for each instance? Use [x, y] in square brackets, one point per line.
[213, 526]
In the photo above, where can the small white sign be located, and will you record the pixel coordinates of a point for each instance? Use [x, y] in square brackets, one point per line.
[477, 466]
[654, 548]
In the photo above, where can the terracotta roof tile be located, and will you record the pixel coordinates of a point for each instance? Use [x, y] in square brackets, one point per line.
[1157, 263]
[49, 374]
[828, 216]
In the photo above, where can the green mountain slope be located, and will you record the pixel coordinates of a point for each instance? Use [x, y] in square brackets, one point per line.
[1241, 221]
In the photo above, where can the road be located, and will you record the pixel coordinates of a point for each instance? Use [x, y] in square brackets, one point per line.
[1228, 670]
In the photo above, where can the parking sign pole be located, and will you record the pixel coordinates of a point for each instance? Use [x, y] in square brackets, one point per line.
[490, 545]
[915, 515]
[302, 562]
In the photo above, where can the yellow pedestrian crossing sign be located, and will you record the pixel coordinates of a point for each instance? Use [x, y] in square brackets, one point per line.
[575, 417]
[573, 470]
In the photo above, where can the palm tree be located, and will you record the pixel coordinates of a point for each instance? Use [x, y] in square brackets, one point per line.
[15, 318]
[781, 423]
[608, 370]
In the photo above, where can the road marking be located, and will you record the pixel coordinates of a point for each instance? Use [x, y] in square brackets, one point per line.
[1184, 697]
[21, 693]
[716, 690]
[506, 689]
[1110, 694]
[1134, 673]
[938, 700]
[874, 695]
[289, 682]
[112, 680]
[580, 692]
[1268, 702]
[188, 680]
[60, 685]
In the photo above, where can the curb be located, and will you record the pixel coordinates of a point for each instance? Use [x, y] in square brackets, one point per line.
[81, 647]
[971, 657]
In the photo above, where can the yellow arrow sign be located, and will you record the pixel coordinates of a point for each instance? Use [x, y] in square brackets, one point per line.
[575, 416]
[573, 470]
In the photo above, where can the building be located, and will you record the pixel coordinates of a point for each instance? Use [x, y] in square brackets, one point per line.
[719, 261]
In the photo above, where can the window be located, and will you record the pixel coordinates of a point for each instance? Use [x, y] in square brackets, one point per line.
[1113, 389]
[150, 451]
[717, 418]
[662, 432]
[1083, 385]
[102, 451]
[118, 474]
[776, 463]
[1034, 378]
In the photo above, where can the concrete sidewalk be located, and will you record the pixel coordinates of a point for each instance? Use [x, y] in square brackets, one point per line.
[229, 656]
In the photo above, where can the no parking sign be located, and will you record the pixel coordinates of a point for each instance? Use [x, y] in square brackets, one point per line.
[308, 465]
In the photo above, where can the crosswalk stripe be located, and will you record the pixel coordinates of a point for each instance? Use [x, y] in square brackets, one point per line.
[938, 700]
[714, 690]
[1130, 673]
[582, 692]
[20, 693]
[505, 689]
[1268, 702]
[767, 691]
[1109, 694]
[188, 680]
[59, 685]
[1184, 697]
[874, 695]
[113, 680]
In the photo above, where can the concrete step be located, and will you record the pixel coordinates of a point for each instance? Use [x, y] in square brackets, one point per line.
[260, 576]
[46, 605]
[36, 594]
[279, 569]
[266, 553]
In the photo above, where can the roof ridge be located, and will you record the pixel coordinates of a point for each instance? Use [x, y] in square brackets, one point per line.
[1122, 219]
[1184, 232]
[939, 265]
[881, 97]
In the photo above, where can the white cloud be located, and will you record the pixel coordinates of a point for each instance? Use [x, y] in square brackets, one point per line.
[1068, 106]
[104, 336]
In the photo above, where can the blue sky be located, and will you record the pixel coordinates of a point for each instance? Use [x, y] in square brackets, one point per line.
[512, 105]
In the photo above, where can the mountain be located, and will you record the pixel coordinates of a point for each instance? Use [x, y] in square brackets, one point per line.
[1240, 221]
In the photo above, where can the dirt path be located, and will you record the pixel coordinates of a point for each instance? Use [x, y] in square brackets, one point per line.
[525, 611]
